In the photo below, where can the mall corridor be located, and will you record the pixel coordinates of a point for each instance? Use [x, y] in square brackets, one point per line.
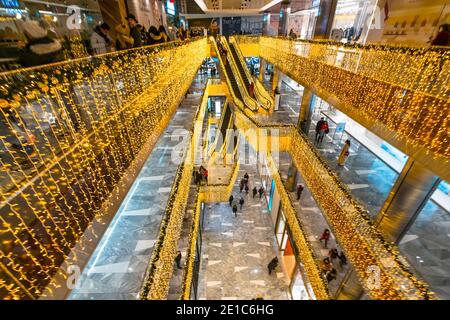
[237, 250]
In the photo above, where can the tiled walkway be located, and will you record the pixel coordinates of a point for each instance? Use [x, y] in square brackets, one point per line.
[369, 178]
[236, 250]
[117, 267]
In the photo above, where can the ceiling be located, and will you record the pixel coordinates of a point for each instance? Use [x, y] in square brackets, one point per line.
[244, 7]
[296, 5]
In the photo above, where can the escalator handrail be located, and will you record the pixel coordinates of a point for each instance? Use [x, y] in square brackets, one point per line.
[260, 92]
[251, 103]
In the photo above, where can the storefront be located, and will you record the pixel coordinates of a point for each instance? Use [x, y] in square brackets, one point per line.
[352, 20]
[300, 289]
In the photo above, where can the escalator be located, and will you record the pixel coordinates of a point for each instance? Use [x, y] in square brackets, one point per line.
[233, 82]
[239, 65]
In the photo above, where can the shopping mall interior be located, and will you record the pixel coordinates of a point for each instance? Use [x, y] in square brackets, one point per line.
[225, 150]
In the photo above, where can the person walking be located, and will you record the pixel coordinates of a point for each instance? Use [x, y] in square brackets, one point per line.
[324, 129]
[241, 202]
[230, 200]
[246, 188]
[299, 191]
[326, 265]
[333, 253]
[255, 191]
[101, 42]
[345, 152]
[332, 275]
[235, 209]
[342, 259]
[246, 177]
[178, 259]
[261, 191]
[135, 33]
[325, 236]
[205, 176]
[272, 265]
[241, 185]
[318, 127]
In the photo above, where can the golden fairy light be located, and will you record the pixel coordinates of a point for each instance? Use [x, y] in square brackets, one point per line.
[70, 130]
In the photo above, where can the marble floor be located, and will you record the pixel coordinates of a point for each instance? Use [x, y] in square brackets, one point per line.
[313, 221]
[236, 250]
[117, 266]
[369, 178]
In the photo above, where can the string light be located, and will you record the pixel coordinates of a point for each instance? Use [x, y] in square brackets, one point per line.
[405, 89]
[363, 244]
[74, 128]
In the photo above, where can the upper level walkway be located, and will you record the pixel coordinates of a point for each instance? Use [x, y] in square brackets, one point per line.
[399, 93]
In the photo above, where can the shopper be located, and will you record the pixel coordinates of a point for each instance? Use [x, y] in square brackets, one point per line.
[230, 200]
[261, 191]
[154, 36]
[327, 266]
[251, 90]
[241, 202]
[135, 33]
[163, 33]
[235, 209]
[324, 129]
[345, 152]
[178, 259]
[332, 275]
[299, 191]
[292, 34]
[342, 259]
[255, 191]
[318, 127]
[144, 34]
[272, 265]
[443, 36]
[333, 253]
[38, 48]
[325, 236]
[123, 38]
[101, 42]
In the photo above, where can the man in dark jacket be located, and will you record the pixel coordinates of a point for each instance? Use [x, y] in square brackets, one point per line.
[135, 33]
[318, 127]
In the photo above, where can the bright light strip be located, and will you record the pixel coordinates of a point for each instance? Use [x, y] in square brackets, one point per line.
[270, 4]
[205, 9]
[202, 5]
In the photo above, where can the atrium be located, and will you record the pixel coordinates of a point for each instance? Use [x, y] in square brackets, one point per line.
[225, 150]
